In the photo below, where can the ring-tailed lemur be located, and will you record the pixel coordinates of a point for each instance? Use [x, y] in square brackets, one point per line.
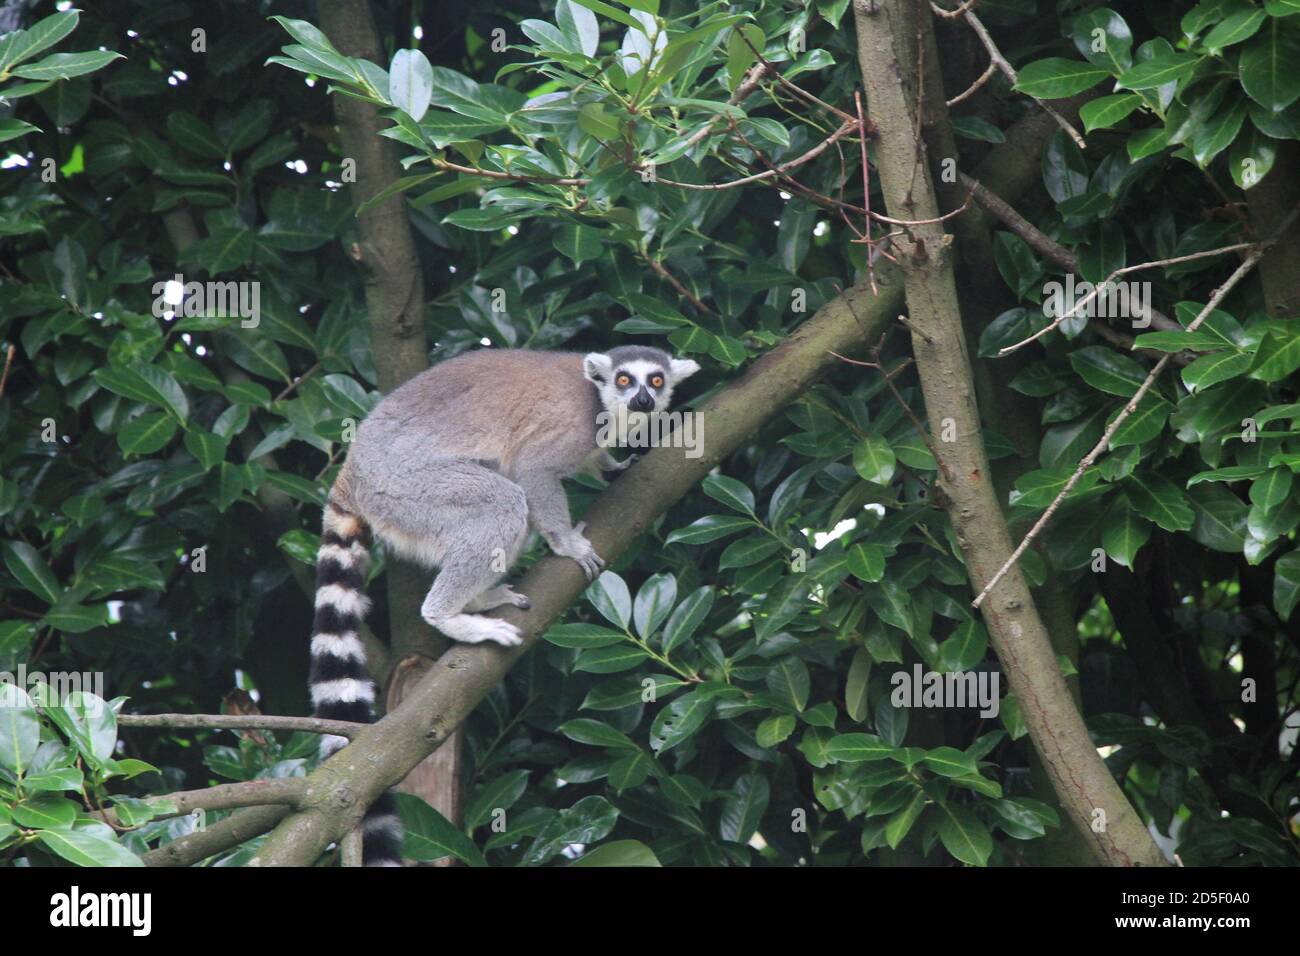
[451, 470]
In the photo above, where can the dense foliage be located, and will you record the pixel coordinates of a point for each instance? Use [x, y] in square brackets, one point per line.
[723, 696]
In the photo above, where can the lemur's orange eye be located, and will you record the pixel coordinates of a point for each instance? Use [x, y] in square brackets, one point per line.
[623, 381]
[657, 381]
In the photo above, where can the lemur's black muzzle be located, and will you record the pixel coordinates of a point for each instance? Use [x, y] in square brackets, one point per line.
[643, 401]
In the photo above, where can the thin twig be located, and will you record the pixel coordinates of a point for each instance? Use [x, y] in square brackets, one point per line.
[1009, 71]
[672, 280]
[797, 90]
[1039, 241]
[9, 358]
[1116, 274]
[747, 86]
[289, 389]
[1247, 264]
[974, 87]
[953, 14]
[311, 725]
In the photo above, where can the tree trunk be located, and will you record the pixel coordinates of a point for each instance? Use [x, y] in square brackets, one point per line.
[888, 34]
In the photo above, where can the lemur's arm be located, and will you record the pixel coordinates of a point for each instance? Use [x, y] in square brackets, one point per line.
[548, 515]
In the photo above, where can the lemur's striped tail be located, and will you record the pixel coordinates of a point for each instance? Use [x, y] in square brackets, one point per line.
[341, 688]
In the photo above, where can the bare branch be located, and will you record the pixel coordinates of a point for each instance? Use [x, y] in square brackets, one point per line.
[311, 725]
[974, 87]
[1009, 71]
[221, 836]
[1247, 264]
[1115, 275]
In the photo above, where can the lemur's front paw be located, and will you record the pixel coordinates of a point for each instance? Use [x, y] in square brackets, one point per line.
[612, 472]
[575, 546]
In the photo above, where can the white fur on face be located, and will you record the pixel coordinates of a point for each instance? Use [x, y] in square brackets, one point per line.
[603, 374]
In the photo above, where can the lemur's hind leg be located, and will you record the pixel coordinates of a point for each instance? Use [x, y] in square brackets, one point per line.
[470, 521]
[496, 597]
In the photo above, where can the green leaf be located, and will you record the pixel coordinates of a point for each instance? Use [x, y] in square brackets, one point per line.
[1286, 584]
[410, 82]
[596, 122]
[596, 733]
[1272, 489]
[1213, 369]
[146, 434]
[857, 748]
[950, 762]
[680, 721]
[686, 618]
[588, 821]
[790, 682]
[23, 44]
[87, 848]
[618, 852]
[208, 449]
[1106, 111]
[498, 794]
[20, 729]
[1278, 354]
[55, 780]
[26, 564]
[1055, 78]
[579, 24]
[431, 836]
[965, 648]
[146, 383]
[874, 460]
[45, 811]
[1107, 370]
[856, 685]
[709, 528]
[1234, 28]
[1267, 65]
[1124, 532]
[774, 729]
[729, 491]
[743, 809]
[748, 551]
[608, 594]
[610, 660]
[580, 243]
[866, 562]
[583, 635]
[653, 603]
[1160, 69]
[963, 835]
[63, 66]
[901, 822]
[1159, 499]
[76, 618]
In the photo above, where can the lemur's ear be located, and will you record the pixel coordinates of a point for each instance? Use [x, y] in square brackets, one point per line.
[684, 368]
[597, 368]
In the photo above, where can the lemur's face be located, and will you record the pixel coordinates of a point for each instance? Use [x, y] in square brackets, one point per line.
[636, 379]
